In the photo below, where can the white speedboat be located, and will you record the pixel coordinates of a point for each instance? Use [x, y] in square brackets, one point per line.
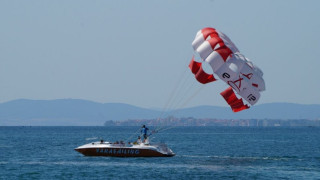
[101, 148]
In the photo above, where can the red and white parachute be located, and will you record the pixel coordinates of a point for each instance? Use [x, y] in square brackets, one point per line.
[229, 65]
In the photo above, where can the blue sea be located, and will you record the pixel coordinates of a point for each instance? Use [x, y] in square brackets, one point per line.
[201, 153]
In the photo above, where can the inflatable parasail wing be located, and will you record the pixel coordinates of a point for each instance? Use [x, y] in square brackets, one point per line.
[229, 65]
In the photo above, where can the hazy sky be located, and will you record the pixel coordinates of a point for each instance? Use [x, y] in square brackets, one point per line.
[136, 51]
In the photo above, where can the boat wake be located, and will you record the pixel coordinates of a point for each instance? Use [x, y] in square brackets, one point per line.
[92, 138]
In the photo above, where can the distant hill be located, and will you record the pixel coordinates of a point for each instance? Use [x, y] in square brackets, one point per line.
[74, 112]
[67, 112]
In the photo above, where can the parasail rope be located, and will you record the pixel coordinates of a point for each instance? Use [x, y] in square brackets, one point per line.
[133, 135]
[173, 93]
[179, 102]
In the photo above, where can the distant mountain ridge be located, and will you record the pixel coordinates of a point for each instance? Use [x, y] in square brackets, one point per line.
[75, 112]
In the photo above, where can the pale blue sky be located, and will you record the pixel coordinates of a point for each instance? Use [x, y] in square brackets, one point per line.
[134, 51]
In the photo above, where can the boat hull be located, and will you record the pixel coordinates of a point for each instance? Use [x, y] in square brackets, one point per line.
[121, 152]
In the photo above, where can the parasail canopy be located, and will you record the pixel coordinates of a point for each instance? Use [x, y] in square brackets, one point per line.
[227, 63]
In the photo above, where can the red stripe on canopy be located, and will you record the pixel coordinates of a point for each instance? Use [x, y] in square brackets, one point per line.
[208, 32]
[224, 52]
[231, 98]
[214, 41]
[194, 66]
[199, 73]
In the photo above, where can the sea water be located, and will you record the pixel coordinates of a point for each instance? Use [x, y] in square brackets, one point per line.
[201, 153]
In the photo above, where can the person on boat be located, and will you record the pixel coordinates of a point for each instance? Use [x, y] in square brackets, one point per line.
[144, 132]
[138, 141]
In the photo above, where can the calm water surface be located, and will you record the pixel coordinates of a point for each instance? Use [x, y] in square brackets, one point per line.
[201, 153]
